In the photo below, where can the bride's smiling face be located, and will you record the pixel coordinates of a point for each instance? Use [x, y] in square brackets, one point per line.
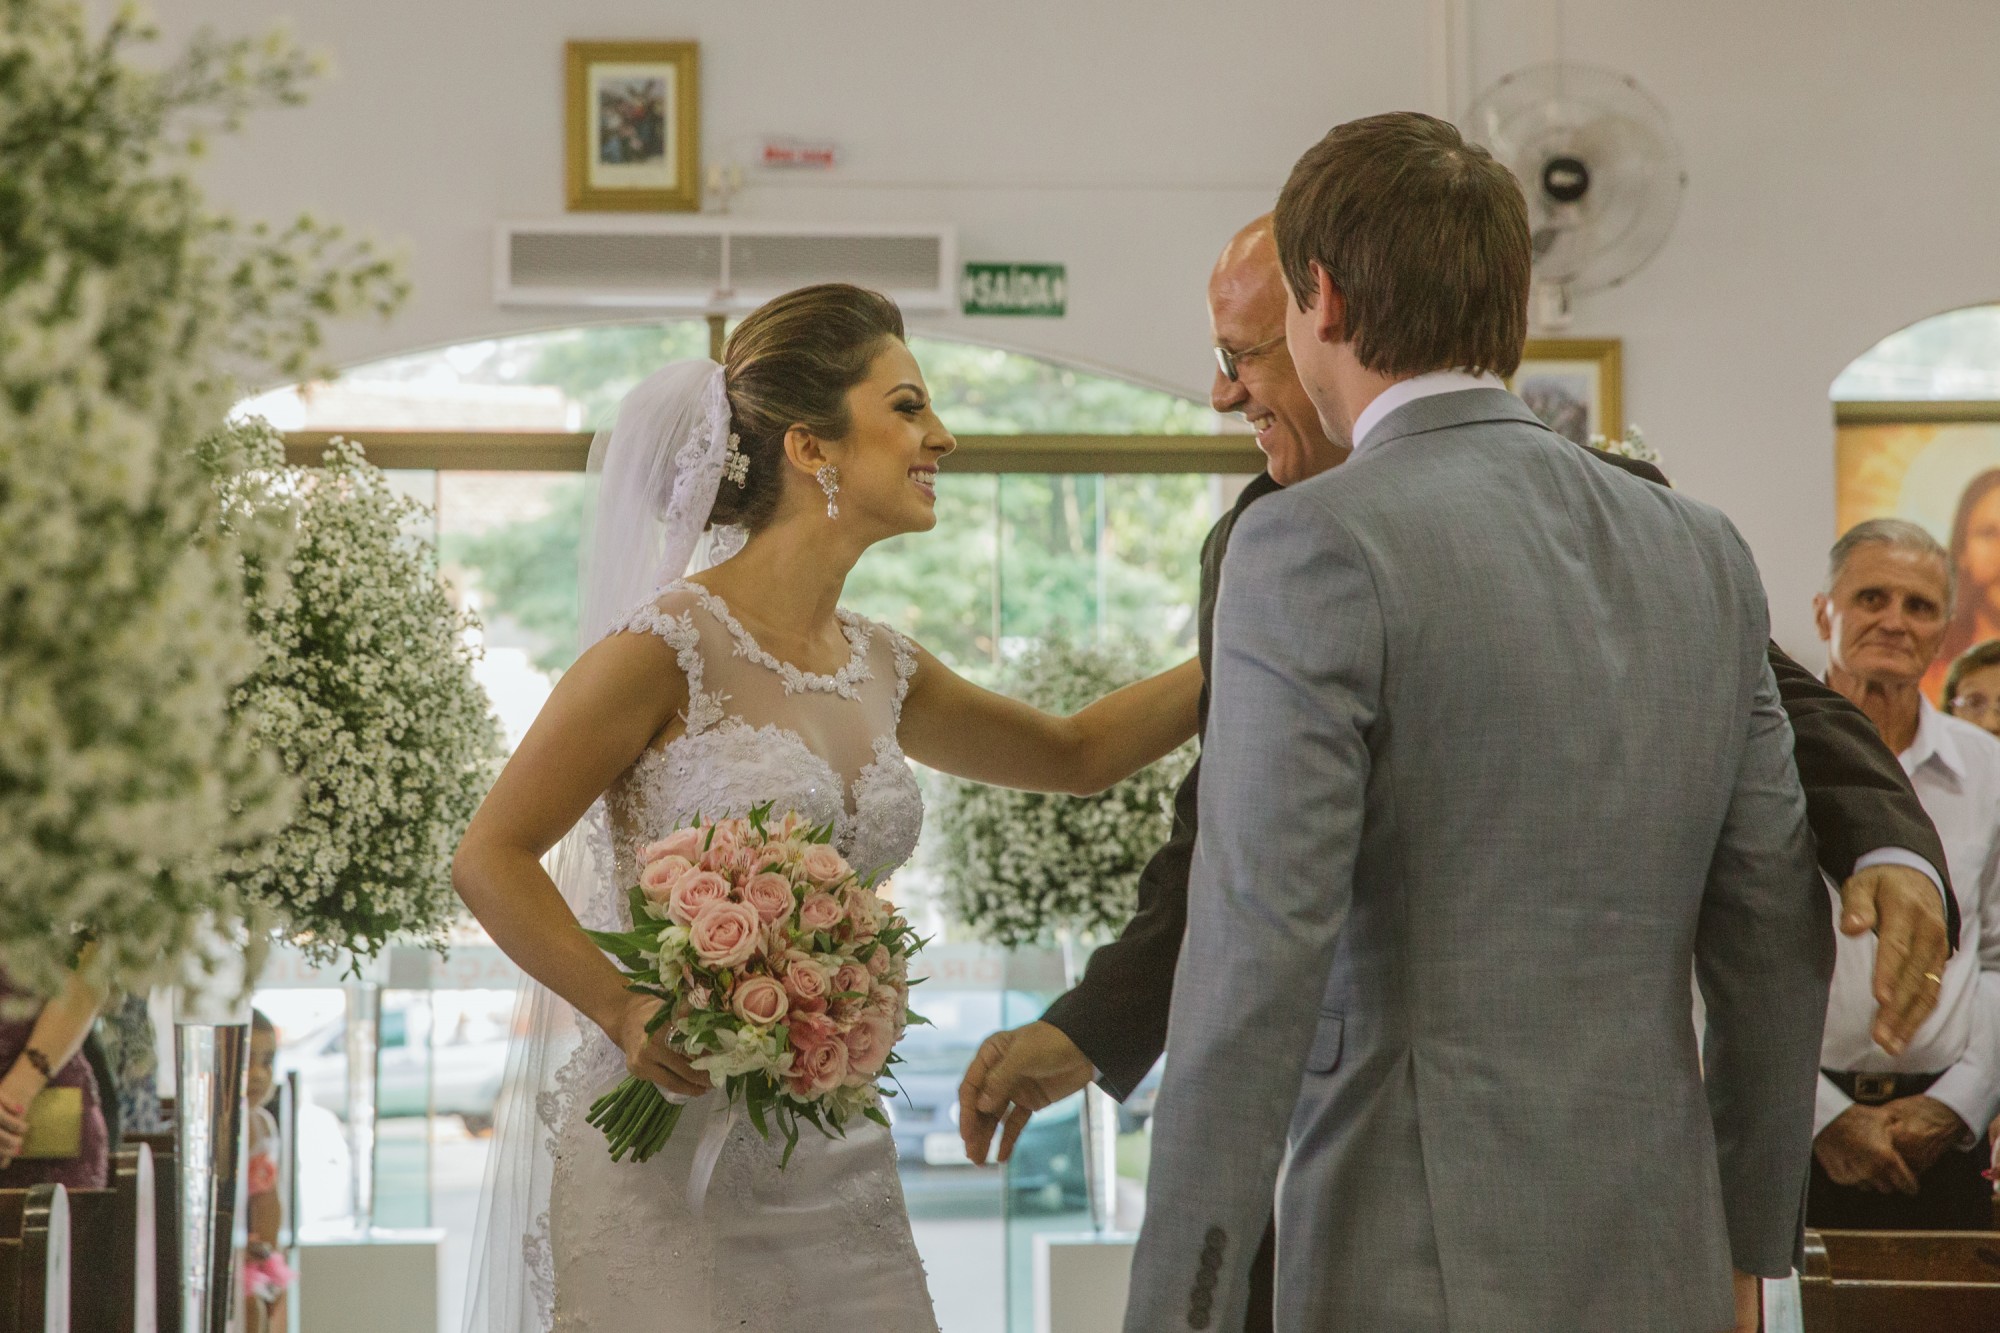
[889, 460]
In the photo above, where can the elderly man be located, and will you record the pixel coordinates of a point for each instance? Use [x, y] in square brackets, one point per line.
[1113, 1025]
[1898, 1137]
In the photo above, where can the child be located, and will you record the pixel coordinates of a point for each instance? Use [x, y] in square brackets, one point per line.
[266, 1276]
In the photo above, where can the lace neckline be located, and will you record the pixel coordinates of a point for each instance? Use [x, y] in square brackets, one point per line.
[857, 629]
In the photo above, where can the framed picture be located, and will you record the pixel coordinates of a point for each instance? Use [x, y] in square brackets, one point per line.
[634, 127]
[1937, 465]
[1573, 385]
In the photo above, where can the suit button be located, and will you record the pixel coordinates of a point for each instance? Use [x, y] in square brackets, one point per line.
[1198, 1312]
[1215, 1239]
[1204, 1283]
[1210, 1261]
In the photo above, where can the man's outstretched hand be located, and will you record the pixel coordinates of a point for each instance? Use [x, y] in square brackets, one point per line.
[1015, 1074]
[1906, 912]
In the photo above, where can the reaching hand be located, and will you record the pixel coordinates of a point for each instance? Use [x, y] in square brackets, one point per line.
[1923, 1129]
[1015, 1074]
[647, 1055]
[1906, 912]
[1859, 1148]
[13, 1132]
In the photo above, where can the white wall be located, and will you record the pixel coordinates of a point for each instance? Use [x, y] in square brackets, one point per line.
[1841, 155]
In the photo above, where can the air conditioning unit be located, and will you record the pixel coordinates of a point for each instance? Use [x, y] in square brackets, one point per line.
[715, 265]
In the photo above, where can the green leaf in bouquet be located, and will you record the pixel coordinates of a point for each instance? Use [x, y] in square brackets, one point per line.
[754, 1104]
[791, 1129]
[660, 1018]
[876, 1114]
[635, 897]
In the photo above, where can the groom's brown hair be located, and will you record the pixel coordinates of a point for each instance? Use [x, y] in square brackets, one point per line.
[1424, 235]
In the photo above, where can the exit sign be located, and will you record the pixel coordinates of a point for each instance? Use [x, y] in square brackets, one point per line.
[1014, 289]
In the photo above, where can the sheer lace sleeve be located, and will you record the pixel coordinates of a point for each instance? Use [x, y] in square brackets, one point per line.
[671, 618]
[905, 653]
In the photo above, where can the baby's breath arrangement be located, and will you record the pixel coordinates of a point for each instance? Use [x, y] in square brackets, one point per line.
[365, 694]
[1632, 444]
[127, 779]
[1024, 868]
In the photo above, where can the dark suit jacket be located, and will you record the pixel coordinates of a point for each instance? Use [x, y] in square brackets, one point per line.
[1857, 800]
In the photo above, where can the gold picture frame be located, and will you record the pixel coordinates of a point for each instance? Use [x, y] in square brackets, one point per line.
[1575, 385]
[634, 127]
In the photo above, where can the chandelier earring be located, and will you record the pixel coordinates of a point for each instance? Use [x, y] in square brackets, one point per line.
[829, 481]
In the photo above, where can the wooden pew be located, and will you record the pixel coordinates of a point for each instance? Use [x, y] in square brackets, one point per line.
[166, 1228]
[1887, 1281]
[114, 1231]
[34, 1260]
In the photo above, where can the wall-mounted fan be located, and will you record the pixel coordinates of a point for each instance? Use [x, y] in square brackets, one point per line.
[1599, 165]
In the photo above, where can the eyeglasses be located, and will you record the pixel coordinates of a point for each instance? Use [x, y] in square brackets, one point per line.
[1228, 359]
[1977, 705]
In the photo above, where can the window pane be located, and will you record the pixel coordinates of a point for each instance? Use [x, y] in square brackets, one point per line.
[1953, 356]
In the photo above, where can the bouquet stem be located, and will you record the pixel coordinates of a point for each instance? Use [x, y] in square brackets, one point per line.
[635, 1118]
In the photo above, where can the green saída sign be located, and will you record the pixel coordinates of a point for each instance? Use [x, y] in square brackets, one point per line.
[1014, 289]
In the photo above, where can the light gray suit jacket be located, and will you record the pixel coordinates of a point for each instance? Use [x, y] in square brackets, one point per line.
[1494, 761]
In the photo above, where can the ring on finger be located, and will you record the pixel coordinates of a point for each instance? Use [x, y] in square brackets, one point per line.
[1934, 979]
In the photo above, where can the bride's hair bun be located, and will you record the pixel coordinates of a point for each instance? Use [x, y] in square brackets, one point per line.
[791, 363]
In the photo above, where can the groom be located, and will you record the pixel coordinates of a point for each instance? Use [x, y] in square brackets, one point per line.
[1113, 1025]
[1534, 767]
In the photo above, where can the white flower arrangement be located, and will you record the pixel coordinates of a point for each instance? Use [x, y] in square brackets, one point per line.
[365, 694]
[1632, 444]
[1027, 868]
[128, 781]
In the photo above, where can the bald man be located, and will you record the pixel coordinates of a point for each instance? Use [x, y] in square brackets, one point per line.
[1114, 1024]
[1872, 833]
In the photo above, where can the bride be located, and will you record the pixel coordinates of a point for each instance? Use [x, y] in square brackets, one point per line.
[707, 695]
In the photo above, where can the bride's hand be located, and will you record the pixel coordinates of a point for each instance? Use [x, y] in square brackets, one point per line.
[647, 1055]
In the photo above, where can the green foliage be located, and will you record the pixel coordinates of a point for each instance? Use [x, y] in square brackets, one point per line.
[528, 570]
[127, 783]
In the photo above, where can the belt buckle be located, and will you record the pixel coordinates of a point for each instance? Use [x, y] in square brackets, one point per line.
[1874, 1089]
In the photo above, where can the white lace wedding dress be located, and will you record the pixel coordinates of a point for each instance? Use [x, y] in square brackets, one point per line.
[824, 1243]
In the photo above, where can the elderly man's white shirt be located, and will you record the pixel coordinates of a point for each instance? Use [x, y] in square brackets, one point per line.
[1955, 768]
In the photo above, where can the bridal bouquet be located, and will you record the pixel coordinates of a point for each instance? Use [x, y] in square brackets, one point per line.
[785, 976]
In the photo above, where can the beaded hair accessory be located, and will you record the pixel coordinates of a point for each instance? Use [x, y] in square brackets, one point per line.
[736, 463]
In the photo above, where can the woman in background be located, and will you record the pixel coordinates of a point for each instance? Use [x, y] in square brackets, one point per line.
[41, 1047]
[1972, 686]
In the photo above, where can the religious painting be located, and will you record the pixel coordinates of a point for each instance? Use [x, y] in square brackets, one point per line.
[634, 131]
[1573, 385]
[1943, 475]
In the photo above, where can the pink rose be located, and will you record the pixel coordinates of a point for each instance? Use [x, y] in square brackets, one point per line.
[658, 879]
[759, 1000]
[684, 843]
[725, 934]
[880, 962]
[820, 911]
[891, 1001]
[868, 1043]
[823, 865]
[852, 978]
[819, 1059]
[693, 893]
[806, 983]
[771, 895]
[725, 840]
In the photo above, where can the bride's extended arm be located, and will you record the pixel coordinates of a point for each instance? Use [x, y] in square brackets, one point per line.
[603, 713]
[953, 725]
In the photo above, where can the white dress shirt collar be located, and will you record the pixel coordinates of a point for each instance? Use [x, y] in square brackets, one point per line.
[1407, 391]
[1933, 741]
